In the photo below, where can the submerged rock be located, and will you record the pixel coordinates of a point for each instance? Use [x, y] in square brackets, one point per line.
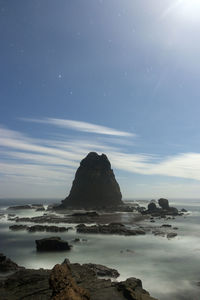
[94, 185]
[171, 235]
[20, 207]
[52, 244]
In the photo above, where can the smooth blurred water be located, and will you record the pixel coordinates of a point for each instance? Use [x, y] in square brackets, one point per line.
[169, 269]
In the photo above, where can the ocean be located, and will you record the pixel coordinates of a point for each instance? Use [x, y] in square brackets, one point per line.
[169, 268]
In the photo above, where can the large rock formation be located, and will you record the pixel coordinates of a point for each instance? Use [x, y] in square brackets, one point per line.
[94, 185]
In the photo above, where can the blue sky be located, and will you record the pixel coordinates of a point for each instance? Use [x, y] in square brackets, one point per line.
[114, 76]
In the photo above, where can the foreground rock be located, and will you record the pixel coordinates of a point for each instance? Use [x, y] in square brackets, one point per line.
[112, 228]
[52, 244]
[64, 286]
[68, 282]
[94, 185]
[6, 264]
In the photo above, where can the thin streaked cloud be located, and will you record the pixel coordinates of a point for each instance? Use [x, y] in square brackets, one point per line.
[81, 126]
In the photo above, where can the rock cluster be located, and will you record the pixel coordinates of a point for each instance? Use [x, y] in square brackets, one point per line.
[163, 210]
[69, 282]
[94, 185]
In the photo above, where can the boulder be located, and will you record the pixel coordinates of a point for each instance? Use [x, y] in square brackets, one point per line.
[152, 207]
[52, 244]
[164, 203]
[94, 185]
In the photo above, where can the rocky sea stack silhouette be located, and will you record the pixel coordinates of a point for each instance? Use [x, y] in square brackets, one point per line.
[94, 185]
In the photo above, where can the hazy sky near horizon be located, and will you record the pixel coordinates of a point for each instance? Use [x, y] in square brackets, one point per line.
[119, 77]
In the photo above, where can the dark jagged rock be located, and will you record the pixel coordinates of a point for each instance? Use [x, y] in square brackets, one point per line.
[94, 185]
[112, 228]
[64, 286]
[52, 244]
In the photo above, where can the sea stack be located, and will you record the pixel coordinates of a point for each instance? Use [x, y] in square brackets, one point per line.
[94, 185]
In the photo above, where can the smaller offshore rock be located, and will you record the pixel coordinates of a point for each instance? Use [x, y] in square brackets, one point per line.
[161, 211]
[52, 244]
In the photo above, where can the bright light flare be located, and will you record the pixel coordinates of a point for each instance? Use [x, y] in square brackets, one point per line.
[185, 9]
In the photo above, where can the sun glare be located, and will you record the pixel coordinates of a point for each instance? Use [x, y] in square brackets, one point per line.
[189, 9]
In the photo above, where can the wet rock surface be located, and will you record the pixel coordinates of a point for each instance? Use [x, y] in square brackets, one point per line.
[52, 244]
[69, 282]
[94, 185]
[102, 271]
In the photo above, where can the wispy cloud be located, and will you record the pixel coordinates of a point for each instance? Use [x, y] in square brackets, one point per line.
[81, 126]
[25, 160]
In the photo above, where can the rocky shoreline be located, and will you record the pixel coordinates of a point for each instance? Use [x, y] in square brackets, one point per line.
[66, 281]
